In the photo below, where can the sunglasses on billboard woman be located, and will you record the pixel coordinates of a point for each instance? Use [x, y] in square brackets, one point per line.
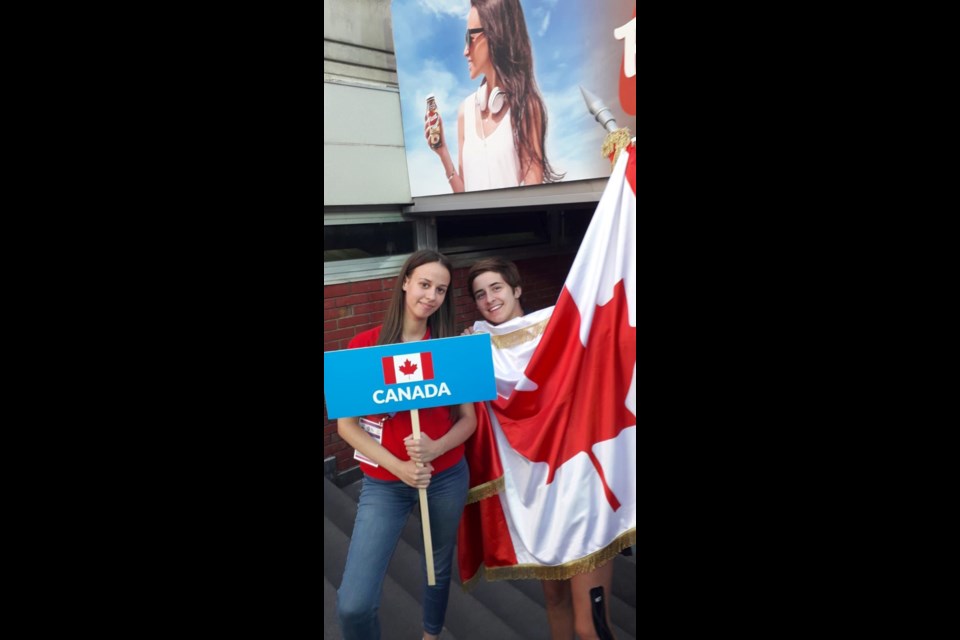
[467, 39]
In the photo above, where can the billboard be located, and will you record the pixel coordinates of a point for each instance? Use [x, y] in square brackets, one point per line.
[505, 78]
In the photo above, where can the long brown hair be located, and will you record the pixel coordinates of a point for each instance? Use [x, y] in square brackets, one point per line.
[440, 323]
[512, 56]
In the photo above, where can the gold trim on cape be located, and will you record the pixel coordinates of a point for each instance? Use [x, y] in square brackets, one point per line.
[556, 572]
[485, 490]
[519, 336]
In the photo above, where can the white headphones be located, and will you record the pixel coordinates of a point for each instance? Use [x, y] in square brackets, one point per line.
[497, 98]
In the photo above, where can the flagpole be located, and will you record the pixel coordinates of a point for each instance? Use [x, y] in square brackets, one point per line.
[424, 510]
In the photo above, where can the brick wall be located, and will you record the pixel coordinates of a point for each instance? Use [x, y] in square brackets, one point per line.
[349, 309]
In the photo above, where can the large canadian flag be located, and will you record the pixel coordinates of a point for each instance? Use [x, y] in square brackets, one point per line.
[553, 461]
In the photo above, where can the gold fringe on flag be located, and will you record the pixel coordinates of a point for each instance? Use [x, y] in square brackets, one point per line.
[556, 572]
[468, 586]
[615, 143]
[485, 490]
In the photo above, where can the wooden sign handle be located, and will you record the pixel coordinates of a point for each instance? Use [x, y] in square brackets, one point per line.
[424, 510]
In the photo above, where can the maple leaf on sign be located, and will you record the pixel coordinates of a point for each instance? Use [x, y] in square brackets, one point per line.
[579, 400]
[408, 368]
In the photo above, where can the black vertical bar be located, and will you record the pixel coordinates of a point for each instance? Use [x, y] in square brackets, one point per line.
[598, 607]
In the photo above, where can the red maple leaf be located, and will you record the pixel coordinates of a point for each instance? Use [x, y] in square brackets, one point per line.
[580, 399]
[407, 368]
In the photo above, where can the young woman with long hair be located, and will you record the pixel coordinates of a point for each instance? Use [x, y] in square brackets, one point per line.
[421, 308]
[502, 128]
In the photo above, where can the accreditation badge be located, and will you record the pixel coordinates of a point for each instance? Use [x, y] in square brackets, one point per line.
[375, 430]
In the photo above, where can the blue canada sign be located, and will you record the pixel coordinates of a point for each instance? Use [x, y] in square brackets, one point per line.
[410, 375]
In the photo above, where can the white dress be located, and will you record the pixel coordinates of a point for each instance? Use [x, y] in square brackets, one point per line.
[491, 162]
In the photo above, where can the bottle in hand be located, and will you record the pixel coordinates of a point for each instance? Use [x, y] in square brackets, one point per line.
[433, 122]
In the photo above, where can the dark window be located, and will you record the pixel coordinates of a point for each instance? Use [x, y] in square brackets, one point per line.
[573, 225]
[350, 241]
[495, 231]
[560, 229]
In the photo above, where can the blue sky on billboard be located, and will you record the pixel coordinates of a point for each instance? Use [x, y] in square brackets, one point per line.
[572, 43]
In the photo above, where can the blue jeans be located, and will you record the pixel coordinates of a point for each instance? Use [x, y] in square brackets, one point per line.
[383, 510]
